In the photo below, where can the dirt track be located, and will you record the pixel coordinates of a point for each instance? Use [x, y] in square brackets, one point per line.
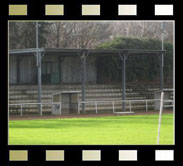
[31, 117]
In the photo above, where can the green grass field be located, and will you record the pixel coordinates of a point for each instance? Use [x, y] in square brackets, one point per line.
[108, 130]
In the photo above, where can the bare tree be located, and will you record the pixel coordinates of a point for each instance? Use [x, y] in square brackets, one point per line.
[85, 34]
[77, 34]
[141, 29]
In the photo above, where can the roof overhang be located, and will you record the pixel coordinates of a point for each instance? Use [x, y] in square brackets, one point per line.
[74, 52]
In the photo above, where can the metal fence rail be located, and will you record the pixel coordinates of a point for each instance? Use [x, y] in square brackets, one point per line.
[95, 103]
[171, 103]
[41, 105]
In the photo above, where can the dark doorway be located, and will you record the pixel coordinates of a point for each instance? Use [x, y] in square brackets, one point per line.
[49, 75]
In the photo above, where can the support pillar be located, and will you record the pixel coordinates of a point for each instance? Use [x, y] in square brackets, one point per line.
[83, 81]
[123, 57]
[124, 82]
[60, 60]
[38, 64]
[18, 70]
[19, 59]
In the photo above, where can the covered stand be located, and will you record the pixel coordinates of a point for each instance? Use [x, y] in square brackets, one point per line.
[83, 54]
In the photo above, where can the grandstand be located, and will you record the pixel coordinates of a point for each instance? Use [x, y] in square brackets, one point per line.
[61, 70]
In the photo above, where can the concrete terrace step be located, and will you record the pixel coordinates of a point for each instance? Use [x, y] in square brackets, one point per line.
[24, 92]
[73, 86]
[87, 93]
[89, 98]
[27, 101]
[28, 94]
[111, 93]
[104, 98]
[56, 91]
[16, 97]
[65, 86]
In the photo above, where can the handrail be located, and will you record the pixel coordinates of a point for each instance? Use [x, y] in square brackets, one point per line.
[85, 102]
[35, 103]
[48, 103]
[115, 101]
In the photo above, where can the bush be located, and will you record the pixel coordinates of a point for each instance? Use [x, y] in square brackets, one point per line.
[140, 68]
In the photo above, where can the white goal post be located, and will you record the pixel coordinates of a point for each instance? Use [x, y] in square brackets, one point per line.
[160, 115]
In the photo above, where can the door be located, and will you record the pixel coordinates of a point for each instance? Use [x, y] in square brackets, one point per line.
[46, 72]
[50, 73]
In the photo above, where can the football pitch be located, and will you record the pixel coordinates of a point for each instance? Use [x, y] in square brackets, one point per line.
[107, 130]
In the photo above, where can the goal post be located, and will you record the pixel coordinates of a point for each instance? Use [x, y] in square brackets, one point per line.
[160, 115]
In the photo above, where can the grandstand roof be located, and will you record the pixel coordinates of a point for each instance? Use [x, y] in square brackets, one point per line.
[74, 52]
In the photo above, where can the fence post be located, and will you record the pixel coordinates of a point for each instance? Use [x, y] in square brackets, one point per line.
[113, 107]
[130, 105]
[52, 105]
[96, 107]
[41, 108]
[60, 108]
[21, 110]
[146, 106]
[78, 108]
